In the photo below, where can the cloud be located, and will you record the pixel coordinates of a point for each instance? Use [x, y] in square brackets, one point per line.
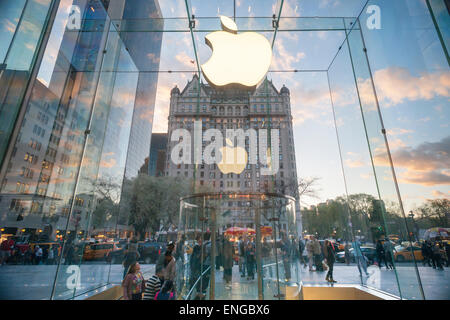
[439, 194]
[152, 57]
[283, 59]
[398, 131]
[427, 164]
[396, 85]
[184, 59]
[108, 164]
[8, 26]
[366, 175]
[329, 3]
[425, 178]
[354, 163]
[308, 104]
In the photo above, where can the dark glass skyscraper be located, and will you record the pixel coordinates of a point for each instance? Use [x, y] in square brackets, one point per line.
[76, 110]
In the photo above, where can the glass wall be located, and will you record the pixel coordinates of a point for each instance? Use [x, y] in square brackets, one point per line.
[62, 188]
[22, 26]
[345, 136]
[224, 261]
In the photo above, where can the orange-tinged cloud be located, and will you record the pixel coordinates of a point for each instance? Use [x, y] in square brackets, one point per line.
[396, 85]
[427, 164]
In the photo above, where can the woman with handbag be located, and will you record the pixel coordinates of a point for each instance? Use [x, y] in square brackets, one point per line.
[133, 284]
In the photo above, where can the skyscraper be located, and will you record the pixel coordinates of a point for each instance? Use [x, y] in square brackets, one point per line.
[157, 154]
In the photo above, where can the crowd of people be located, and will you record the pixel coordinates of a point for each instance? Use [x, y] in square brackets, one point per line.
[28, 255]
[433, 253]
[161, 286]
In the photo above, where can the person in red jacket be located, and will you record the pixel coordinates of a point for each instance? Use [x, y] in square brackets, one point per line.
[6, 248]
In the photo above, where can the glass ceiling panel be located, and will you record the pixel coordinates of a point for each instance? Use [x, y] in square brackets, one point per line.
[260, 8]
[211, 8]
[173, 8]
[322, 8]
[313, 50]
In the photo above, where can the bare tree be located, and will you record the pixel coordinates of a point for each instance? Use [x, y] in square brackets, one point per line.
[299, 189]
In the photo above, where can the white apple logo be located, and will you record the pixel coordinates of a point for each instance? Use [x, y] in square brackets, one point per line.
[233, 159]
[241, 59]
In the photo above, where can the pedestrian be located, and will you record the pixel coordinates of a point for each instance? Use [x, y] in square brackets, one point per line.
[388, 253]
[285, 256]
[310, 250]
[250, 260]
[131, 257]
[70, 254]
[169, 267]
[133, 284]
[227, 260]
[50, 255]
[241, 251]
[347, 256]
[179, 249]
[447, 253]
[329, 253]
[6, 249]
[301, 248]
[153, 284]
[167, 291]
[28, 256]
[38, 254]
[55, 252]
[426, 253]
[381, 255]
[317, 253]
[361, 260]
[44, 254]
[220, 242]
[195, 261]
[169, 248]
[436, 257]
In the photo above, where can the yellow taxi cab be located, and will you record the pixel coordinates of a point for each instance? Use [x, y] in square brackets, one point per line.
[95, 251]
[402, 253]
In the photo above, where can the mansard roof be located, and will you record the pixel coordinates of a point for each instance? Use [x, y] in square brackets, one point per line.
[208, 90]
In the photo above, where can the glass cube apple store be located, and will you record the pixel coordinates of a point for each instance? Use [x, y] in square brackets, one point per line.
[289, 149]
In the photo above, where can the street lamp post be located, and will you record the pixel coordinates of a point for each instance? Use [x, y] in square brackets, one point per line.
[411, 215]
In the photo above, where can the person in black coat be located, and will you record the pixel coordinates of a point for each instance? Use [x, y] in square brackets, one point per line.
[329, 253]
[381, 254]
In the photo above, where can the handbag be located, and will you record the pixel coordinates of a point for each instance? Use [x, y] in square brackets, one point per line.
[324, 265]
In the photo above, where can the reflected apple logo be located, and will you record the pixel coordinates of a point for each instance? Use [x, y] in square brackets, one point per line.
[237, 59]
[233, 160]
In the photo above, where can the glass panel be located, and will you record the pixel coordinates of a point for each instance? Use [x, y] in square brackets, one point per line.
[363, 222]
[413, 121]
[407, 277]
[22, 28]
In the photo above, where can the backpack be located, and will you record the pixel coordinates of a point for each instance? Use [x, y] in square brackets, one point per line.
[164, 296]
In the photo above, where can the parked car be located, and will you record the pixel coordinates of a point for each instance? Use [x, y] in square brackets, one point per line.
[369, 252]
[402, 253]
